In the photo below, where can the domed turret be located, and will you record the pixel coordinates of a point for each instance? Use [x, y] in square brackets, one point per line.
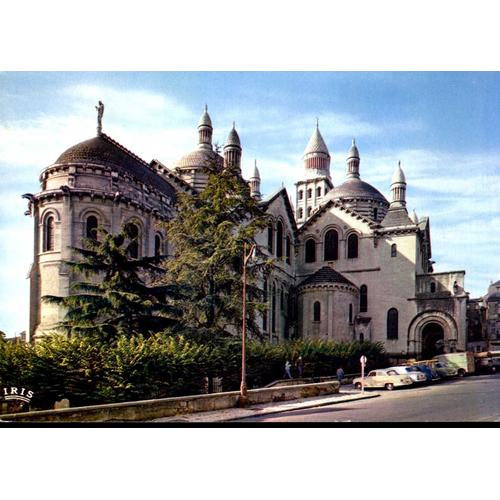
[205, 131]
[316, 156]
[254, 183]
[398, 188]
[232, 149]
[353, 161]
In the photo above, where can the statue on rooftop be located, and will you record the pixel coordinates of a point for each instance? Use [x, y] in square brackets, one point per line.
[100, 112]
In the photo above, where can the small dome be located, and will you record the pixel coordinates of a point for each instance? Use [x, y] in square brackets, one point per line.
[200, 158]
[316, 144]
[398, 176]
[353, 151]
[205, 119]
[356, 188]
[233, 139]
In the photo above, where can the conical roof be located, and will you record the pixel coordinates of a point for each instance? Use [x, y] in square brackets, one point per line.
[205, 118]
[353, 150]
[316, 144]
[233, 139]
[256, 173]
[398, 176]
[326, 275]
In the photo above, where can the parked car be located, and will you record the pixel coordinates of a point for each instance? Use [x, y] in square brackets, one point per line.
[430, 374]
[444, 370]
[384, 378]
[485, 365]
[412, 371]
[462, 361]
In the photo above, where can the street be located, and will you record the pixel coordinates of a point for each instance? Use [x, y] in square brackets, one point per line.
[469, 399]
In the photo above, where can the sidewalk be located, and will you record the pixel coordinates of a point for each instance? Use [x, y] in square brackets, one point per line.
[233, 414]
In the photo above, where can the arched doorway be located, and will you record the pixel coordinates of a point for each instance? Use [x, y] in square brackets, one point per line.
[432, 340]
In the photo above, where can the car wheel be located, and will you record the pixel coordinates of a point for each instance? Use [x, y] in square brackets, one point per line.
[389, 387]
[357, 385]
[461, 372]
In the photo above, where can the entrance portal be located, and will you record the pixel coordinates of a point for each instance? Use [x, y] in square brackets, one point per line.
[432, 340]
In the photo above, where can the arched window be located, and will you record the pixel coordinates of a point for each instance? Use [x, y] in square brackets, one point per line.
[301, 194]
[270, 238]
[48, 234]
[310, 250]
[318, 191]
[288, 246]
[134, 245]
[331, 245]
[394, 250]
[279, 239]
[352, 246]
[301, 213]
[264, 299]
[363, 298]
[350, 314]
[361, 337]
[392, 324]
[158, 245]
[375, 213]
[309, 210]
[433, 287]
[316, 311]
[273, 310]
[309, 193]
[91, 227]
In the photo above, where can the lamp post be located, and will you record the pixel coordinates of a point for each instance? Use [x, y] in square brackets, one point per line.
[243, 387]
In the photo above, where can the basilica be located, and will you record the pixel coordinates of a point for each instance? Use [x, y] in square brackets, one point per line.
[350, 264]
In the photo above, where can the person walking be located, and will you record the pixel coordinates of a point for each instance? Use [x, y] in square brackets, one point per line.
[287, 374]
[340, 374]
[299, 364]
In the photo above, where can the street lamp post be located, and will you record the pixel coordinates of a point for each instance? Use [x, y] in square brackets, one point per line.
[243, 387]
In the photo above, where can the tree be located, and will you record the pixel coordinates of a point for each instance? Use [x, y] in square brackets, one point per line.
[119, 298]
[207, 238]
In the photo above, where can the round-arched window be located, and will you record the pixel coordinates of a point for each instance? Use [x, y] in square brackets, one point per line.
[331, 250]
[363, 298]
[352, 246]
[48, 234]
[134, 243]
[316, 311]
[310, 250]
[91, 227]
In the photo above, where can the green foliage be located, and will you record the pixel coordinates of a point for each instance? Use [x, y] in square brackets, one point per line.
[207, 238]
[119, 297]
[136, 367]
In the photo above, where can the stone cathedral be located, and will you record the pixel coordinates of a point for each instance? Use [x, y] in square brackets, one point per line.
[350, 264]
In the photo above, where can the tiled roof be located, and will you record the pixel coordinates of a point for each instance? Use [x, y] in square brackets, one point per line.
[233, 139]
[397, 217]
[356, 188]
[200, 158]
[326, 275]
[103, 150]
[316, 144]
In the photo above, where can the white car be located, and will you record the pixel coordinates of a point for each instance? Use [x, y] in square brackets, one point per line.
[411, 371]
[386, 378]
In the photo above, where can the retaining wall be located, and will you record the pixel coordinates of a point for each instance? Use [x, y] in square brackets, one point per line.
[167, 407]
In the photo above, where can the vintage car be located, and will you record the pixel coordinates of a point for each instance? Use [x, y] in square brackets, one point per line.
[444, 370]
[383, 378]
[411, 371]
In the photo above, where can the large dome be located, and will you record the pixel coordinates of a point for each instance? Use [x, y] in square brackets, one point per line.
[356, 189]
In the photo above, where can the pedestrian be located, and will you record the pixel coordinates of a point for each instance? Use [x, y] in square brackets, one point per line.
[340, 374]
[299, 364]
[287, 374]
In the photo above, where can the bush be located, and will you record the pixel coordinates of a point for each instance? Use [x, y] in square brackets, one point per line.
[87, 371]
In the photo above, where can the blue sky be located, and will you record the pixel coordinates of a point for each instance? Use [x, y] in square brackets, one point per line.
[442, 126]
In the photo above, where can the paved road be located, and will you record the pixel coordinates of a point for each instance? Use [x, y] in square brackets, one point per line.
[458, 400]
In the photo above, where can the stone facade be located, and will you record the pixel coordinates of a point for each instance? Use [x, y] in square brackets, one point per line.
[349, 264]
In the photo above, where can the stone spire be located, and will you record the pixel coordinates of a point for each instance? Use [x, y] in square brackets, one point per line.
[415, 217]
[205, 131]
[316, 156]
[254, 183]
[353, 161]
[232, 149]
[398, 188]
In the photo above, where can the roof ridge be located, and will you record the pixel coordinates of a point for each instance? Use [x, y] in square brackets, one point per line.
[124, 149]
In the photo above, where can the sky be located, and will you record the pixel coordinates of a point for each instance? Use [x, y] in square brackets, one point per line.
[442, 126]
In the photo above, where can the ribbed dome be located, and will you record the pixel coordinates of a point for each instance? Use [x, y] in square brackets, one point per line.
[353, 151]
[205, 119]
[398, 176]
[316, 144]
[357, 189]
[233, 139]
[200, 158]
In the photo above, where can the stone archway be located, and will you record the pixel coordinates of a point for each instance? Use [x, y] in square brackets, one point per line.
[432, 340]
[428, 328]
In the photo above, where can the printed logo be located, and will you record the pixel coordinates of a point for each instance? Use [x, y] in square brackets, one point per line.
[17, 393]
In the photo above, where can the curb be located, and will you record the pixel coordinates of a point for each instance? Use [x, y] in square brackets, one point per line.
[310, 404]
